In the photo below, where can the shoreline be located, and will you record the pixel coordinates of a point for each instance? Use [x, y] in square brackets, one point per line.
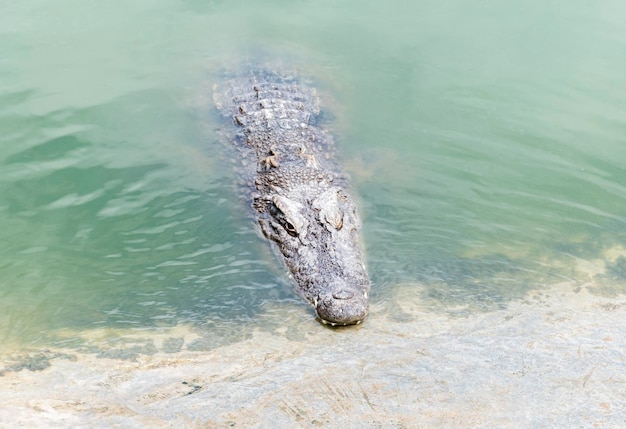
[557, 356]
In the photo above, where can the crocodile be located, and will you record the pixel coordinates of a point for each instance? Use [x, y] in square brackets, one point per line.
[297, 191]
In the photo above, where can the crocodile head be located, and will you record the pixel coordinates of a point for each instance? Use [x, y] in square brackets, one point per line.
[317, 235]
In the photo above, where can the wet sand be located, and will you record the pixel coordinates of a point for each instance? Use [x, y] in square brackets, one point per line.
[554, 359]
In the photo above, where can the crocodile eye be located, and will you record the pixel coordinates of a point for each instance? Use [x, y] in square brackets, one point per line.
[291, 230]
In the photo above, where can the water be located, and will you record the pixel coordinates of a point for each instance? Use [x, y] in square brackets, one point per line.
[484, 141]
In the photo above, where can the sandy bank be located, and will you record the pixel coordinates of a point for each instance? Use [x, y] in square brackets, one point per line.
[555, 359]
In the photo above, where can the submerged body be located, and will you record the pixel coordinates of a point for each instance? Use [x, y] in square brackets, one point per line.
[298, 193]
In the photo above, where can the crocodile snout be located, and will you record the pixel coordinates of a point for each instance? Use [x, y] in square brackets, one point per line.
[345, 306]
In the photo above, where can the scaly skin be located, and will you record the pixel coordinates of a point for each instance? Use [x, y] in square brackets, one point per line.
[299, 195]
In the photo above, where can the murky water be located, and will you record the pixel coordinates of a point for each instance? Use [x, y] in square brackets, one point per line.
[485, 141]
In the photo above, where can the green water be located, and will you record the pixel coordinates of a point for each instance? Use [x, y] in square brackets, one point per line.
[485, 141]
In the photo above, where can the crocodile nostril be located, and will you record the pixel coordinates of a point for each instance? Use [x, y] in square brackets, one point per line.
[343, 294]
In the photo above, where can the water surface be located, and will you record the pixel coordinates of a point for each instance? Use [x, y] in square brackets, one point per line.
[485, 142]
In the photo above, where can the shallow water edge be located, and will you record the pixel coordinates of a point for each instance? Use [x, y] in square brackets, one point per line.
[554, 358]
